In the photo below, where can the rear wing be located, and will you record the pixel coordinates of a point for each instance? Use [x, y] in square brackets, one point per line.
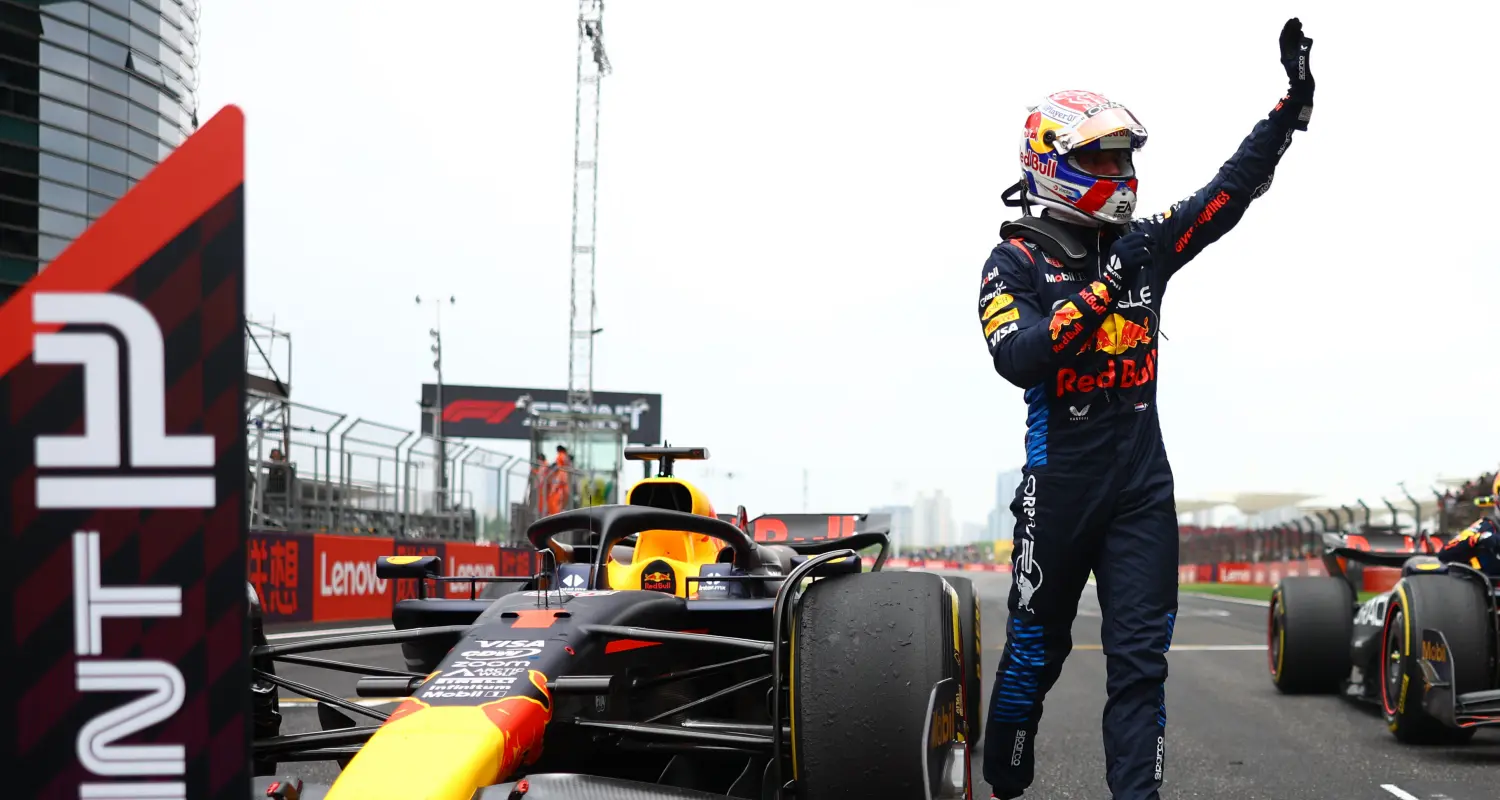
[1374, 549]
[805, 528]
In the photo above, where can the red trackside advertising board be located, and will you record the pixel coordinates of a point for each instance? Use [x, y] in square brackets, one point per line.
[328, 578]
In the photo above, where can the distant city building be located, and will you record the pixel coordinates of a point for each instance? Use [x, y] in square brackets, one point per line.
[901, 525]
[972, 532]
[92, 96]
[1004, 522]
[932, 520]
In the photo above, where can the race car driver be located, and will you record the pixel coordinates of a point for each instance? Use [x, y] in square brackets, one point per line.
[1070, 306]
[1479, 544]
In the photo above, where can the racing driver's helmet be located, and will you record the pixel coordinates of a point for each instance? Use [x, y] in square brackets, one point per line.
[1076, 155]
[1493, 501]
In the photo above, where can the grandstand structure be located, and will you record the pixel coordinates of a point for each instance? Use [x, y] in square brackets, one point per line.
[316, 470]
[1280, 526]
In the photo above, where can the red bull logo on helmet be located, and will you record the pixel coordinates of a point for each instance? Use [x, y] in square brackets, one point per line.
[1046, 167]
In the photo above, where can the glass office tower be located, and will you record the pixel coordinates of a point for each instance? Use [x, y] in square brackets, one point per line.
[93, 94]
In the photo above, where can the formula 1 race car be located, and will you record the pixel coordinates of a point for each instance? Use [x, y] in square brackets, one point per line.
[1425, 651]
[662, 653]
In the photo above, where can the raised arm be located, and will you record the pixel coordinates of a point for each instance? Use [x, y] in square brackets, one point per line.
[1201, 218]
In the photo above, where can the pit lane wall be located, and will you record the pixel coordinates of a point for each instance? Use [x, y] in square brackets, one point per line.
[317, 577]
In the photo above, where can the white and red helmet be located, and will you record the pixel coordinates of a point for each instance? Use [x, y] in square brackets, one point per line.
[1076, 155]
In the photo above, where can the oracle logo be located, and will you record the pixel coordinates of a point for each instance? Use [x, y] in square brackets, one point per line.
[348, 578]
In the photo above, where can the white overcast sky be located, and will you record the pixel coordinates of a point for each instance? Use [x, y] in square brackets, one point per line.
[796, 197]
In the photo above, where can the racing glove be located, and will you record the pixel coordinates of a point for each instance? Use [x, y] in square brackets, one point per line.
[1128, 257]
[1296, 57]
[1027, 341]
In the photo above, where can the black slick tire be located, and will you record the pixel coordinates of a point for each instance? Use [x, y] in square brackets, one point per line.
[1309, 630]
[1446, 603]
[866, 651]
[265, 701]
[968, 624]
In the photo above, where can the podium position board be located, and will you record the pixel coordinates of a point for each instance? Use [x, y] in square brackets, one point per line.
[122, 481]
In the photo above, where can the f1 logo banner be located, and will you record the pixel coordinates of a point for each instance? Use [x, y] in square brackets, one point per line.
[494, 412]
[122, 457]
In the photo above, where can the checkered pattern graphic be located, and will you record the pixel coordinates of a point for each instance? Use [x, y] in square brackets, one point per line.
[193, 286]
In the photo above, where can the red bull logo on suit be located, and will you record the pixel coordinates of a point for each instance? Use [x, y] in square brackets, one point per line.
[1117, 334]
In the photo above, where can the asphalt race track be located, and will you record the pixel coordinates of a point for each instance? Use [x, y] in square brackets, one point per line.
[1230, 736]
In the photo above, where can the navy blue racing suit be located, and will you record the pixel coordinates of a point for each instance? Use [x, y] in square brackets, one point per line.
[1477, 546]
[1096, 493]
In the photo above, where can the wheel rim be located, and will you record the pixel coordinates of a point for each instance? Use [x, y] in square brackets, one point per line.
[1275, 638]
[1390, 661]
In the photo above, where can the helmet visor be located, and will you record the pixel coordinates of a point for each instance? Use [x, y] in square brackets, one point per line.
[1117, 120]
[1103, 163]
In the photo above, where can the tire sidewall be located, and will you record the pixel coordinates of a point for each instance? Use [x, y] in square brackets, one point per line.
[857, 681]
[1404, 714]
[1393, 709]
[1275, 635]
[1309, 652]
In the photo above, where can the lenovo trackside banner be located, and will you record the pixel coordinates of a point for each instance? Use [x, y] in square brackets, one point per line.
[122, 448]
[491, 412]
[305, 577]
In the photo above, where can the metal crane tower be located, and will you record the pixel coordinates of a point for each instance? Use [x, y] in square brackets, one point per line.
[593, 64]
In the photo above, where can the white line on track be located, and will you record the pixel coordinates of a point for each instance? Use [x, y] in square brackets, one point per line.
[1399, 792]
[327, 632]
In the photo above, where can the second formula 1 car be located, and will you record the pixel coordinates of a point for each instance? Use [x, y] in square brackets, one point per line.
[659, 652]
[1425, 651]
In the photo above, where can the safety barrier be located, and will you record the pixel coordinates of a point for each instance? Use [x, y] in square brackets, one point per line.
[1269, 573]
[318, 577]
